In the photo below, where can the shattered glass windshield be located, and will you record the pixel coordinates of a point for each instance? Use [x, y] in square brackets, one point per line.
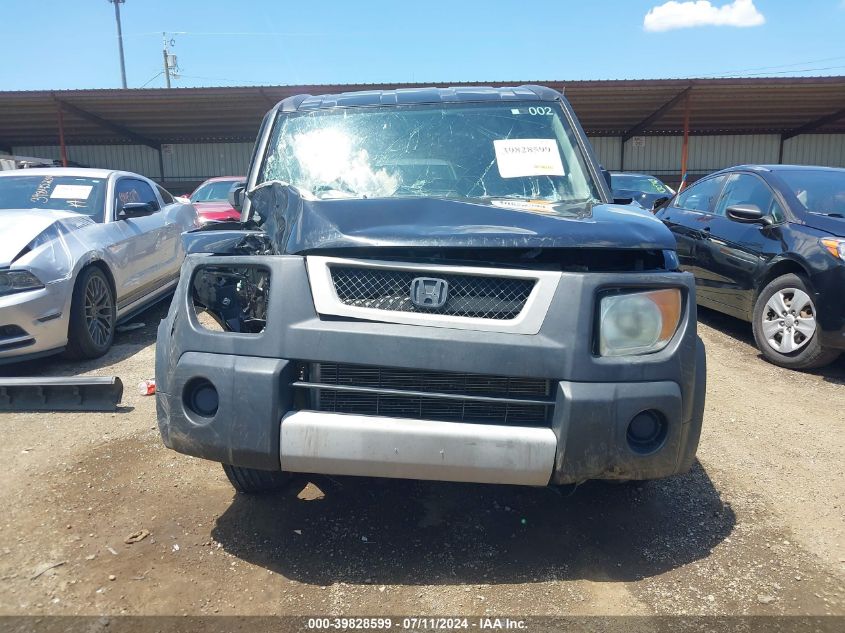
[464, 150]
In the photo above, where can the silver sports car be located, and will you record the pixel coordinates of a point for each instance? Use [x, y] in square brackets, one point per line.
[81, 250]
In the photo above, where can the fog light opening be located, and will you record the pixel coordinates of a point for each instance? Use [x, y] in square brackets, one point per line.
[200, 397]
[647, 432]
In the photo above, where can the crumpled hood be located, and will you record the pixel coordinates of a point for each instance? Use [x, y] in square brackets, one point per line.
[18, 227]
[299, 225]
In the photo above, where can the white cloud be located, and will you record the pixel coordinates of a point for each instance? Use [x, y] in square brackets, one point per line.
[679, 15]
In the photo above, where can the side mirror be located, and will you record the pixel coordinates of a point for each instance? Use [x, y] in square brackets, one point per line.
[136, 210]
[747, 214]
[236, 195]
[606, 174]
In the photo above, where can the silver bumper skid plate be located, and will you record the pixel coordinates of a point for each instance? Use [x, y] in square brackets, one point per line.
[347, 444]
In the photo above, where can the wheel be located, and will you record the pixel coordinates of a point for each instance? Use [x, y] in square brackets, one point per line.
[252, 480]
[92, 315]
[785, 325]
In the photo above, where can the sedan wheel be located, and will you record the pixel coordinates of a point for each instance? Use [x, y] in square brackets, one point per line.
[99, 312]
[785, 325]
[789, 320]
[92, 315]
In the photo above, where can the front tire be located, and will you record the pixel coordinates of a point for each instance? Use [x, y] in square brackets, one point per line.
[785, 325]
[92, 315]
[253, 481]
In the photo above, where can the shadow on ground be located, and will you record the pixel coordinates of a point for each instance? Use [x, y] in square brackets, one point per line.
[740, 331]
[411, 532]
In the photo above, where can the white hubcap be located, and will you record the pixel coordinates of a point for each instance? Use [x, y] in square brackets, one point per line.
[789, 320]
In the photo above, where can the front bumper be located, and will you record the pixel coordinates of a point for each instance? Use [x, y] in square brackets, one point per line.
[258, 425]
[830, 305]
[36, 321]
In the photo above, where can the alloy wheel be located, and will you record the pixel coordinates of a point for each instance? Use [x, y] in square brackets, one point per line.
[98, 311]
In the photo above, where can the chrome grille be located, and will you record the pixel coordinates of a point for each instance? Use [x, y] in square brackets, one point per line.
[500, 298]
[427, 395]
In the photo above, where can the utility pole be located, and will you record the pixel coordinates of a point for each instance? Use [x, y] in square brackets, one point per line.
[117, 4]
[170, 67]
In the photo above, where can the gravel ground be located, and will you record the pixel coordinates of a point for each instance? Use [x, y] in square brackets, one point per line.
[757, 527]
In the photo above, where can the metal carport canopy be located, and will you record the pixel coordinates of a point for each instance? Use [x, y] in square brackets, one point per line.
[785, 105]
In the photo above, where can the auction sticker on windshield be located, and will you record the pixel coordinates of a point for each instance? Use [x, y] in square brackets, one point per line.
[71, 192]
[517, 158]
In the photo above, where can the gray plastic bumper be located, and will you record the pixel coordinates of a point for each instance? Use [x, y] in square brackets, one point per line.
[595, 397]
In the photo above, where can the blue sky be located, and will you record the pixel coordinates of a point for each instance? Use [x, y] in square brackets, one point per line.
[72, 44]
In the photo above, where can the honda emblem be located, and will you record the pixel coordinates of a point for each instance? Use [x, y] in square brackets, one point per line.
[428, 292]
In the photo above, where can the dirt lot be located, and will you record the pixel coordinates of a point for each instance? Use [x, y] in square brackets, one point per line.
[758, 527]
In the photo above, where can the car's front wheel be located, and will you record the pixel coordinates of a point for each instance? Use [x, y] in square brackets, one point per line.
[92, 315]
[785, 325]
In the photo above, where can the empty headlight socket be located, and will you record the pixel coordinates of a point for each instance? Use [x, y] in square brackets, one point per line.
[235, 296]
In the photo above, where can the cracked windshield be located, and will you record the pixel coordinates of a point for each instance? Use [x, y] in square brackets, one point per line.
[477, 151]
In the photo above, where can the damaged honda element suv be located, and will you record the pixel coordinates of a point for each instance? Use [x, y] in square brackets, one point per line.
[431, 284]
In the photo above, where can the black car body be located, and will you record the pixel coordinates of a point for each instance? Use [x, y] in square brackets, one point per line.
[644, 189]
[789, 222]
[438, 318]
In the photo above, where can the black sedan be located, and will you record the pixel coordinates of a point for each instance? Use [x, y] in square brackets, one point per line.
[767, 244]
[647, 191]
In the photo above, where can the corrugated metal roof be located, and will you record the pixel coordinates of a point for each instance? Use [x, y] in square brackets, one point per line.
[779, 105]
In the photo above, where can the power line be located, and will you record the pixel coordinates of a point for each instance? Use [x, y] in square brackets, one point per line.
[796, 70]
[744, 70]
[146, 83]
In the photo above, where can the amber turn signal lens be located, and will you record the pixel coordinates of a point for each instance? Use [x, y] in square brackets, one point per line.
[834, 246]
[669, 303]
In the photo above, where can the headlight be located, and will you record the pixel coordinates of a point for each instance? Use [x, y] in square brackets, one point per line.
[638, 322]
[12, 281]
[835, 246]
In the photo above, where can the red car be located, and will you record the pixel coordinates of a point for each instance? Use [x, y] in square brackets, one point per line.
[211, 199]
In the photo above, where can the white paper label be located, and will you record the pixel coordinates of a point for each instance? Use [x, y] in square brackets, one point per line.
[72, 192]
[528, 157]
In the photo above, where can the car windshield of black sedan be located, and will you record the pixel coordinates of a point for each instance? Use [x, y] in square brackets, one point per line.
[819, 191]
[477, 151]
[646, 184]
[66, 193]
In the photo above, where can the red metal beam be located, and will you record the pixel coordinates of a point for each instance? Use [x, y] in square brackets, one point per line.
[685, 147]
